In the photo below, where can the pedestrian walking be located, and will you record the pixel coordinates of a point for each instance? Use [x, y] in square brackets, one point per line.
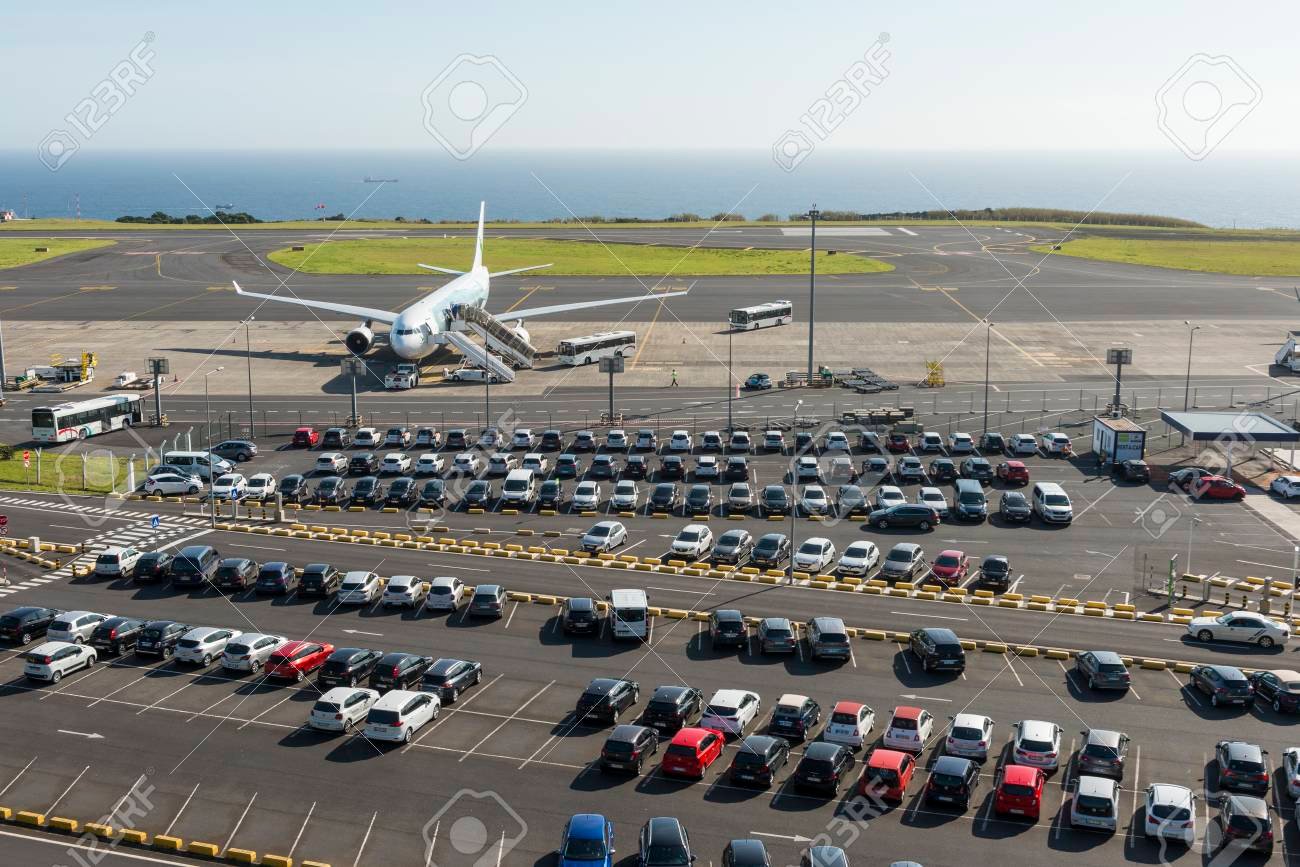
[674, 383]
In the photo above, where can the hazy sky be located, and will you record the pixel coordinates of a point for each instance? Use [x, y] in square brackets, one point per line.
[714, 75]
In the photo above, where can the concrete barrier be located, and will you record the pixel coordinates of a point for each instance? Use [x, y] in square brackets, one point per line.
[241, 856]
[277, 861]
[994, 647]
[1052, 653]
[103, 832]
[1094, 612]
[1154, 664]
[203, 850]
[168, 843]
[135, 837]
[64, 825]
[27, 817]
[1026, 650]
[872, 634]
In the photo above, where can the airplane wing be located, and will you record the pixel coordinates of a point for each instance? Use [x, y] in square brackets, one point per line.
[368, 313]
[582, 305]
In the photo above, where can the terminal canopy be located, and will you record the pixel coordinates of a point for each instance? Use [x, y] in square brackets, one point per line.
[1246, 427]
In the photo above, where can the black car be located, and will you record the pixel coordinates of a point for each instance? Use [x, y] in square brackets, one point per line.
[1246, 824]
[21, 625]
[1242, 767]
[699, 500]
[904, 515]
[774, 500]
[664, 843]
[671, 707]
[1224, 684]
[456, 439]
[402, 492]
[627, 748]
[399, 671]
[993, 442]
[277, 578]
[235, 573]
[605, 698]
[952, 780]
[938, 649]
[237, 450]
[433, 493]
[737, 469]
[663, 497]
[771, 550]
[552, 441]
[745, 853]
[637, 467]
[551, 494]
[293, 488]
[319, 579]
[363, 464]
[367, 491]
[450, 677]
[578, 615]
[794, 716]
[995, 571]
[758, 759]
[194, 566]
[151, 566]
[479, 494]
[330, 492]
[1132, 470]
[823, 767]
[943, 470]
[672, 467]
[348, 666]
[603, 467]
[1280, 689]
[727, 628]
[805, 443]
[567, 466]
[1014, 506]
[159, 638]
[336, 438]
[117, 635]
[977, 468]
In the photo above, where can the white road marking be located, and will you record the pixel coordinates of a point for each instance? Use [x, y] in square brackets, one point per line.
[17, 775]
[503, 723]
[177, 817]
[311, 810]
[68, 789]
[512, 615]
[365, 839]
[242, 816]
[931, 616]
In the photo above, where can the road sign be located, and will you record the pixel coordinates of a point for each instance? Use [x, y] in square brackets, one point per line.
[154, 521]
[1119, 356]
[4, 520]
[613, 364]
[27, 459]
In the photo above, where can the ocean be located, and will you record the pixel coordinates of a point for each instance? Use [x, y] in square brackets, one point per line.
[1225, 190]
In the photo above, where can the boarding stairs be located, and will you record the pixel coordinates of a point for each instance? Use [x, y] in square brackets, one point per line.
[498, 336]
[480, 357]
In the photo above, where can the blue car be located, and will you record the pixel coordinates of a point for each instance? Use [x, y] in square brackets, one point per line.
[588, 840]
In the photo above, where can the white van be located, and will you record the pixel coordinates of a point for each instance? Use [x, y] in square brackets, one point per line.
[1052, 504]
[520, 487]
[198, 463]
[1056, 443]
[631, 613]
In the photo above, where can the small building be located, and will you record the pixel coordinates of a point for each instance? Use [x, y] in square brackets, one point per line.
[1118, 439]
[6, 216]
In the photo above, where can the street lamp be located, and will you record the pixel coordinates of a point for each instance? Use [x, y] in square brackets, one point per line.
[207, 418]
[1187, 386]
[813, 214]
[730, 376]
[248, 353]
[988, 339]
[794, 491]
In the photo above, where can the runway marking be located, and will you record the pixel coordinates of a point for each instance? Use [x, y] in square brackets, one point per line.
[907, 231]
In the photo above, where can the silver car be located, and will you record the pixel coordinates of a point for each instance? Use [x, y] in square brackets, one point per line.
[359, 588]
[250, 651]
[342, 708]
[203, 644]
[74, 626]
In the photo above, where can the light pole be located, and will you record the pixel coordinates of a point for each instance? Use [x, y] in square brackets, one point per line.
[730, 331]
[813, 214]
[988, 340]
[207, 419]
[794, 492]
[248, 354]
[1187, 385]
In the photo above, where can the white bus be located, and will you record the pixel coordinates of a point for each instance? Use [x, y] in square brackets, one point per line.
[585, 350]
[84, 418]
[760, 315]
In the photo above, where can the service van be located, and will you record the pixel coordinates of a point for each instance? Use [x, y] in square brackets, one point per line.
[631, 611]
[970, 502]
[1051, 503]
[520, 487]
[201, 464]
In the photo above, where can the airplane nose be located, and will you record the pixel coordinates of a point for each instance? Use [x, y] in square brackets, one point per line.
[406, 345]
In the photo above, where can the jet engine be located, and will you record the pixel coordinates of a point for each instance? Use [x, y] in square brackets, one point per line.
[360, 339]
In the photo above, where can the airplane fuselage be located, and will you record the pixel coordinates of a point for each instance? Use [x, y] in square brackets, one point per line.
[416, 331]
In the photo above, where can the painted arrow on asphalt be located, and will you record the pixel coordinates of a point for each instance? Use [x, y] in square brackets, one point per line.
[794, 838]
[914, 697]
[89, 735]
[359, 632]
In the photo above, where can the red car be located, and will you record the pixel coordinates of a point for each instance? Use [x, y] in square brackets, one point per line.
[898, 443]
[306, 437]
[294, 660]
[951, 567]
[691, 752]
[1020, 791]
[886, 774]
[1217, 488]
[1013, 472]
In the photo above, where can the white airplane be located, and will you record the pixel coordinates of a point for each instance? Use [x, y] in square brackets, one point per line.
[414, 332]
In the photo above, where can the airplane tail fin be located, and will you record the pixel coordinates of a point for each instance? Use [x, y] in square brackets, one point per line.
[478, 243]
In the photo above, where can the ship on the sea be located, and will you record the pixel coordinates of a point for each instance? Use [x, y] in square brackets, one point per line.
[369, 180]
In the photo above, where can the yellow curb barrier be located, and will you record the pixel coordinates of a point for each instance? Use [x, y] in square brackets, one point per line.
[702, 519]
[103, 832]
[676, 614]
[768, 579]
[872, 634]
[1014, 597]
[1036, 606]
[536, 549]
[1043, 600]
[727, 567]
[844, 586]
[314, 864]
[474, 510]
[241, 856]
[1124, 615]
[628, 558]
[663, 516]
[26, 817]
[276, 861]
[333, 508]
[1008, 603]
[1151, 618]
[546, 600]
[510, 511]
[898, 591]
[1154, 664]
[678, 563]
[67, 826]
[402, 537]
[168, 844]
[906, 585]
[135, 837]
[514, 546]
[932, 588]
[702, 616]
[849, 579]
[589, 513]
[311, 507]
[1211, 613]
[994, 647]
[1026, 650]
[953, 597]
[693, 571]
[561, 552]
[516, 596]
[643, 567]
[527, 532]
[731, 517]
[1184, 667]
[858, 518]
[1124, 606]
[968, 644]
[771, 518]
[816, 518]
[356, 508]
[203, 850]
[492, 546]
[1182, 612]
[738, 576]
[1052, 653]
[876, 582]
[819, 584]
[265, 531]
[926, 594]
[550, 513]
[1093, 603]
[1094, 612]
[981, 600]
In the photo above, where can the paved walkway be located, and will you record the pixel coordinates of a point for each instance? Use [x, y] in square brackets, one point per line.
[1277, 513]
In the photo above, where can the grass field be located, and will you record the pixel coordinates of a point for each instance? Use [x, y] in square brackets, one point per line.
[1252, 258]
[571, 258]
[62, 472]
[22, 251]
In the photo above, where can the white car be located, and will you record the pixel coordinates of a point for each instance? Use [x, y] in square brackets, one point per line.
[231, 486]
[837, 441]
[399, 714]
[730, 711]
[934, 498]
[1286, 487]
[342, 708]
[428, 464]
[74, 627]
[859, 558]
[489, 438]
[332, 462]
[250, 651]
[172, 484]
[604, 536]
[261, 486]
[711, 440]
[466, 464]
[909, 729]
[523, 439]
[1023, 444]
[471, 374]
[1243, 627]
[706, 467]
[1170, 813]
[1055, 443]
[501, 463]
[1291, 770]
[931, 442]
[680, 441]
[774, 441]
[115, 562]
[203, 644]
[970, 736]
[586, 496]
[815, 554]
[616, 440]
[445, 593]
[53, 659]
[537, 462]
[806, 467]
[888, 495]
[1095, 803]
[404, 591]
[626, 496]
[1037, 743]
[359, 588]
[740, 442]
[850, 723]
[814, 500]
[366, 438]
[395, 462]
[694, 540]
[960, 443]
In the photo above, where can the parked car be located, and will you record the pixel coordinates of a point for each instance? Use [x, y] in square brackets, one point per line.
[727, 628]
[1019, 791]
[691, 751]
[319, 579]
[1095, 803]
[236, 450]
[446, 592]
[909, 729]
[114, 636]
[969, 735]
[202, 644]
[489, 600]
[1170, 813]
[664, 842]
[777, 635]
[399, 714]
[938, 649]
[953, 781]
[293, 488]
[1036, 743]
[604, 536]
[1242, 627]
[1136, 470]
[995, 571]
[451, 677]
[336, 438]
[235, 574]
[1014, 506]
[771, 550]
[294, 660]
[404, 591]
[628, 747]
[398, 670]
[579, 616]
[1246, 823]
[341, 709]
[1242, 767]
[1279, 688]
[52, 660]
[951, 567]
[74, 627]
[794, 716]
[887, 774]
[730, 711]
[758, 759]
[850, 724]
[1102, 753]
[1013, 473]
[250, 651]
[359, 588]
[902, 562]
[306, 437]
[1101, 669]
[823, 767]
[606, 698]
[859, 558]
[734, 547]
[152, 566]
[1224, 684]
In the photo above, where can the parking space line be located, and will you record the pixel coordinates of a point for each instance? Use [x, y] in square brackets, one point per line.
[1137, 784]
[73, 682]
[177, 817]
[168, 695]
[128, 686]
[512, 616]
[122, 800]
[249, 722]
[503, 723]
[460, 708]
[17, 775]
[68, 789]
[242, 816]
[298, 838]
[365, 839]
